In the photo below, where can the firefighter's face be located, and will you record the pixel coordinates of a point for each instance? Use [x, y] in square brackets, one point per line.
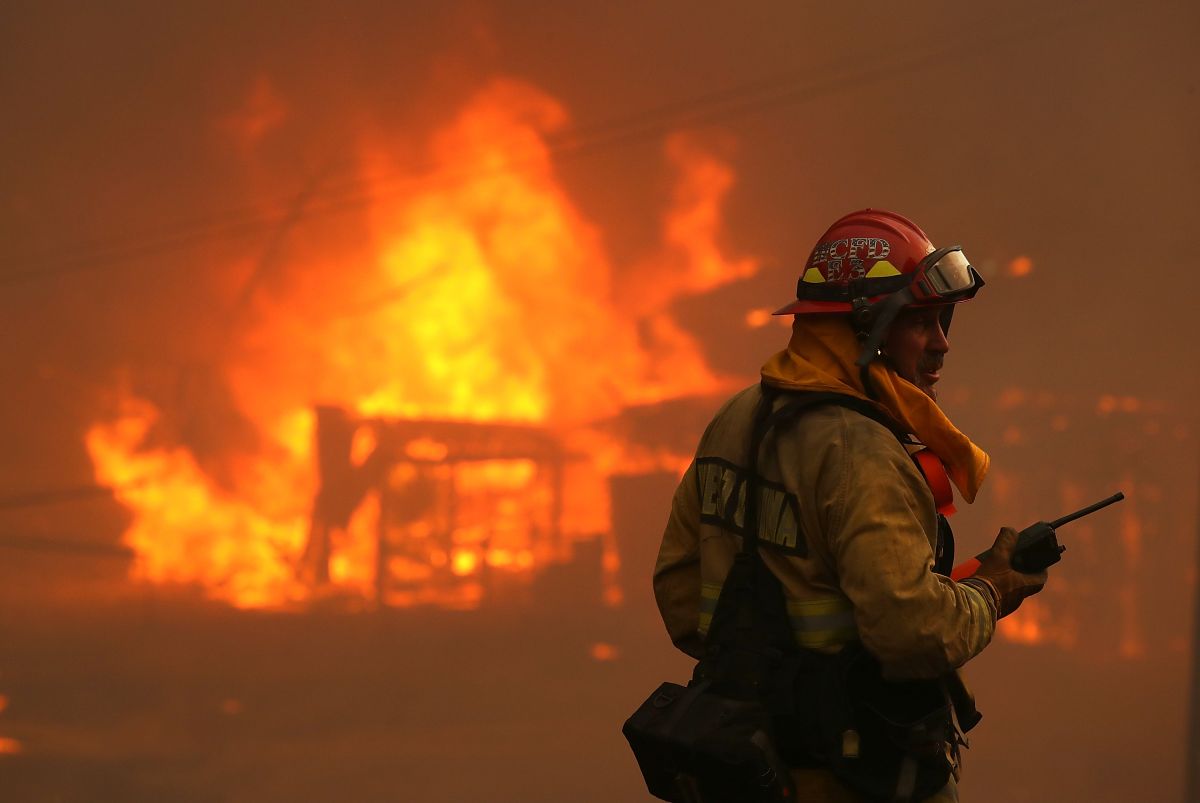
[917, 345]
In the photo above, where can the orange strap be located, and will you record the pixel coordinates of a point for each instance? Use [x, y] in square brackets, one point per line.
[937, 479]
[965, 569]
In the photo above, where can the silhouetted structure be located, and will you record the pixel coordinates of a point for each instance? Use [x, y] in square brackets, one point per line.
[413, 467]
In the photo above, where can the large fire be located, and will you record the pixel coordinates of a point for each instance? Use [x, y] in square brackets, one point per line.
[480, 295]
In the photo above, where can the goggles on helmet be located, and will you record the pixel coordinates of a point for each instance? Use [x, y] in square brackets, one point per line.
[945, 276]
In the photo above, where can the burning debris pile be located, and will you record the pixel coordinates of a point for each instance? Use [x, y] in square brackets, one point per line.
[435, 389]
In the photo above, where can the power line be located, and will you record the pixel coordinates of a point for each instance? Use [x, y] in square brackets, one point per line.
[38, 543]
[53, 497]
[355, 191]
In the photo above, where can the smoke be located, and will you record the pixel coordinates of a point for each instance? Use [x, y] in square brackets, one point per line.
[168, 170]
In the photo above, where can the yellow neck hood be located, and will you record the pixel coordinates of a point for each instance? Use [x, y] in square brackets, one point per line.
[821, 357]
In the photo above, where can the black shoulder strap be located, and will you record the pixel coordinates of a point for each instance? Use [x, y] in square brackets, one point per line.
[750, 630]
[861, 406]
[766, 418]
[943, 555]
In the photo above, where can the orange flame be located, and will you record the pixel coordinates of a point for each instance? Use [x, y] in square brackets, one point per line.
[187, 529]
[482, 295]
[8, 746]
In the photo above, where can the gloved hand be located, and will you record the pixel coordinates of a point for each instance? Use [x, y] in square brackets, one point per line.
[1009, 586]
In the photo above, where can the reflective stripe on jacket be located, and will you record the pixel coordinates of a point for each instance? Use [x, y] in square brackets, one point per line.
[848, 525]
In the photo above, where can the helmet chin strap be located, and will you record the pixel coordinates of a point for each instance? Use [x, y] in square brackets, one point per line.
[873, 322]
[882, 314]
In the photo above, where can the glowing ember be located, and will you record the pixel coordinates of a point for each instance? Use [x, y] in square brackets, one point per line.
[604, 652]
[1020, 267]
[1112, 404]
[8, 746]
[758, 318]
[482, 295]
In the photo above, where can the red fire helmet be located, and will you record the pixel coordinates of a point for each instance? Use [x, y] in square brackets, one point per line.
[873, 253]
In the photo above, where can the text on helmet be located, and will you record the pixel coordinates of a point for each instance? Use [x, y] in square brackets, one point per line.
[844, 258]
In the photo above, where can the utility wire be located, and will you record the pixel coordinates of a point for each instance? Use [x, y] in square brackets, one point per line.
[53, 497]
[38, 543]
[356, 191]
[56, 496]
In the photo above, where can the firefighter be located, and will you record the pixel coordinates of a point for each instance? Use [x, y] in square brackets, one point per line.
[852, 496]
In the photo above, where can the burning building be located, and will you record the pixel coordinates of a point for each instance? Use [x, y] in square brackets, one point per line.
[466, 368]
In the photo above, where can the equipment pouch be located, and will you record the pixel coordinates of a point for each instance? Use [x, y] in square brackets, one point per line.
[887, 740]
[695, 746]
